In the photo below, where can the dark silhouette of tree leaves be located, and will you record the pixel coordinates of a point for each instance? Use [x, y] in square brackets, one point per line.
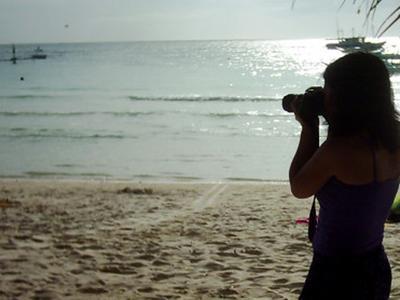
[371, 7]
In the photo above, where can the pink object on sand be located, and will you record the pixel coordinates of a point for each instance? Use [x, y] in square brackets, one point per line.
[302, 221]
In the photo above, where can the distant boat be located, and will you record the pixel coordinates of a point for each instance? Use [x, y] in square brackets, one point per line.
[13, 58]
[389, 56]
[351, 44]
[38, 54]
[392, 66]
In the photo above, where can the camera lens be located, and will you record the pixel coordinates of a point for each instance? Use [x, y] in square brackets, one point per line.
[287, 102]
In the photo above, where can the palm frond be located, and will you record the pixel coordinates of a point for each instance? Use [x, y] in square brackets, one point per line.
[397, 18]
[341, 5]
[293, 3]
[372, 7]
[389, 16]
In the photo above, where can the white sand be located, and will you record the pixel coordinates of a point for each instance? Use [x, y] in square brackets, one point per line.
[89, 240]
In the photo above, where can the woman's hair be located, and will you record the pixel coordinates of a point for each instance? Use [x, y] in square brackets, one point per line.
[363, 99]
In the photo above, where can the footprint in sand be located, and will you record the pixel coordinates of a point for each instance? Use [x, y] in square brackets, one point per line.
[77, 271]
[228, 254]
[195, 260]
[190, 232]
[181, 289]
[136, 264]
[22, 281]
[117, 269]
[92, 290]
[145, 257]
[230, 235]
[226, 275]
[147, 289]
[266, 261]
[259, 269]
[252, 251]
[45, 295]
[227, 292]
[280, 281]
[159, 262]
[63, 246]
[214, 266]
[162, 276]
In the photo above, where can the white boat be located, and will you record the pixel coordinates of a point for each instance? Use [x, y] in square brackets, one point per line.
[38, 54]
[352, 44]
[389, 56]
[393, 66]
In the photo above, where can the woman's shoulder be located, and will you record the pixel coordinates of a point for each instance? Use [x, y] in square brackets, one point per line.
[337, 146]
[343, 152]
[352, 159]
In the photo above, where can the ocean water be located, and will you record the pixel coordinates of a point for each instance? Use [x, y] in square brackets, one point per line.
[157, 111]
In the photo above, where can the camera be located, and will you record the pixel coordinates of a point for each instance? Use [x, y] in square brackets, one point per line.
[311, 103]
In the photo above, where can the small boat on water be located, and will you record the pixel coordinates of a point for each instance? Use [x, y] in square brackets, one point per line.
[391, 60]
[38, 54]
[351, 44]
[389, 56]
[393, 66]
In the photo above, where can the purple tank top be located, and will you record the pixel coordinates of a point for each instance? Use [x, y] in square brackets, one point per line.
[352, 217]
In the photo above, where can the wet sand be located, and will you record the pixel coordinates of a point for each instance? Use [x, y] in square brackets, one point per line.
[122, 240]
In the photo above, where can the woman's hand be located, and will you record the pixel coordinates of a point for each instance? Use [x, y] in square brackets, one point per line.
[301, 116]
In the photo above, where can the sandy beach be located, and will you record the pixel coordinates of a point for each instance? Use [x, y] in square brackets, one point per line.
[123, 240]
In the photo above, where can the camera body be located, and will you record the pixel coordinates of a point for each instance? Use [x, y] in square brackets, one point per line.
[310, 104]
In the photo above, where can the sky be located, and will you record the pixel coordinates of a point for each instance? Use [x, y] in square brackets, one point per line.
[47, 21]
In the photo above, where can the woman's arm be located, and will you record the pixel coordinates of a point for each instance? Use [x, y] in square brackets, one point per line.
[308, 145]
[311, 166]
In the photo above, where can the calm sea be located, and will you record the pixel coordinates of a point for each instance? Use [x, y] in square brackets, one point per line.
[157, 111]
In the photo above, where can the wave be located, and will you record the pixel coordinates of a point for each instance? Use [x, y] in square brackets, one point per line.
[245, 179]
[42, 114]
[245, 114]
[205, 99]
[140, 113]
[27, 96]
[65, 174]
[160, 98]
[132, 113]
[43, 133]
[73, 113]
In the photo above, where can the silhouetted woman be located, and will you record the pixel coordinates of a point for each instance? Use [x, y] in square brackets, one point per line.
[355, 176]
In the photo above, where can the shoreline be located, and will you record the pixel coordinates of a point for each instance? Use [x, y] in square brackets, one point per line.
[135, 181]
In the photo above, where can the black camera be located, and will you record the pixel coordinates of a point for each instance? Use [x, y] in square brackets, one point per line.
[311, 103]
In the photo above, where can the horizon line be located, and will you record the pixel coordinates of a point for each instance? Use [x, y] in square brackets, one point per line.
[178, 40]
